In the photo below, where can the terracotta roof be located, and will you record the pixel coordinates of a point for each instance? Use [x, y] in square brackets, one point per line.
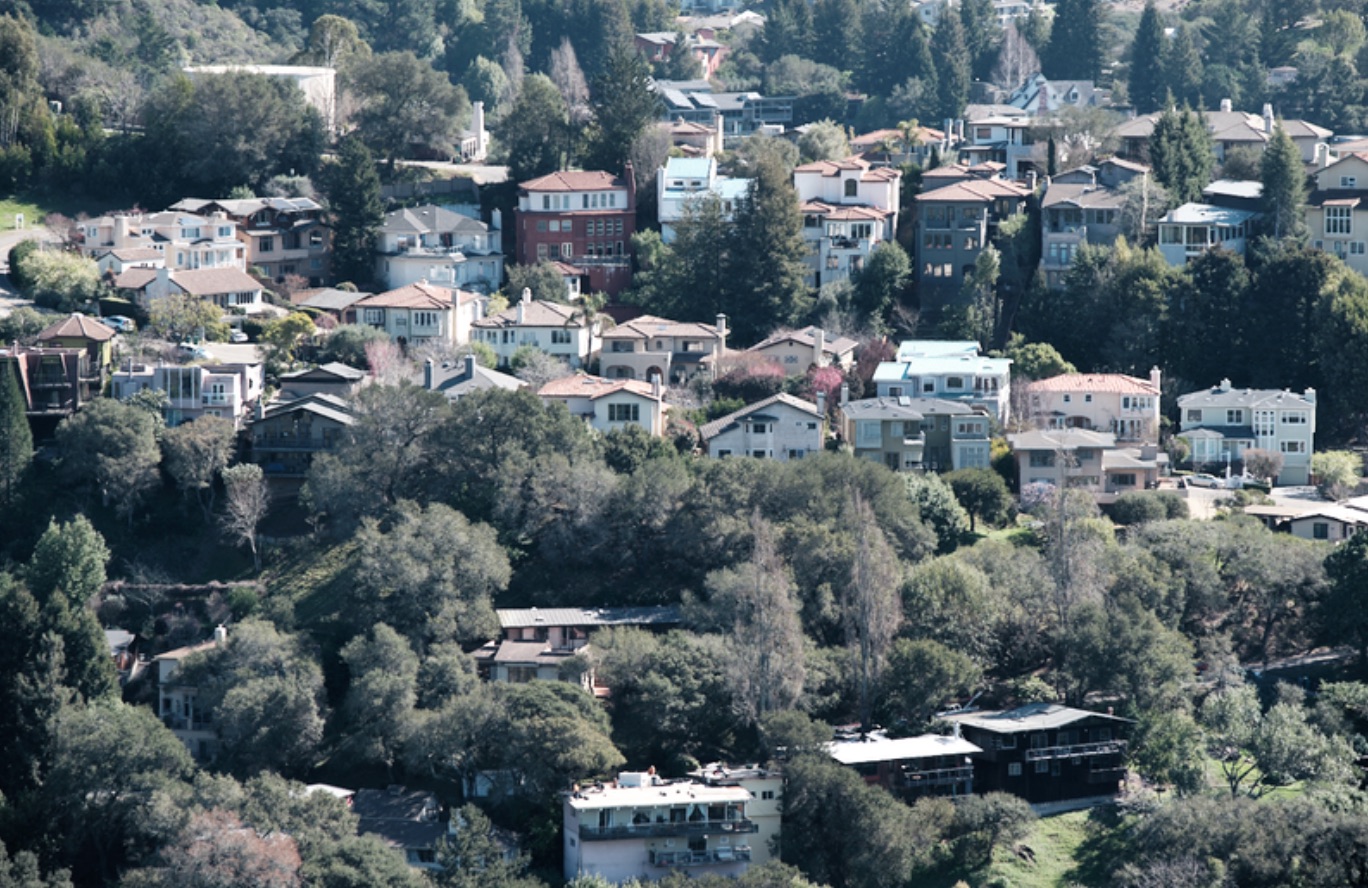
[836, 167]
[717, 426]
[646, 326]
[212, 281]
[536, 313]
[566, 269]
[833, 345]
[418, 295]
[977, 191]
[582, 385]
[77, 326]
[1096, 383]
[839, 213]
[575, 180]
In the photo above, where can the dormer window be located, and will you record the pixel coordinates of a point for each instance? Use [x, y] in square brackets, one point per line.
[852, 188]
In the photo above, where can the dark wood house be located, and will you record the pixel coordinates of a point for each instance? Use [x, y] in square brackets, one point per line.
[910, 767]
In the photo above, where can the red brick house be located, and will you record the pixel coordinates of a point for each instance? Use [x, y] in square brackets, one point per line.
[585, 219]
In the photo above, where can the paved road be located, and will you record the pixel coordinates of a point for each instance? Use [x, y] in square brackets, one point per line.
[483, 174]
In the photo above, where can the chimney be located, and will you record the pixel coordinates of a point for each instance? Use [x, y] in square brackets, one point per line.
[1224, 386]
[1031, 179]
[1268, 117]
[220, 634]
[629, 174]
[722, 328]
[163, 282]
[821, 403]
[657, 391]
[258, 410]
[477, 126]
[427, 374]
[522, 304]
[121, 231]
[1155, 376]
[845, 393]
[1310, 395]
[470, 365]
[818, 345]
[1226, 106]
[1322, 155]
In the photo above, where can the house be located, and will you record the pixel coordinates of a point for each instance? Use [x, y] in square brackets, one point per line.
[284, 235]
[849, 207]
[948, 370]
[1190, 230]
[319, 84]
[228, 288]
[1229, 129]
[1220, 423]
[335, 302]
[691, 138]
[1337, 210]
[418, 313]
[1008, 140]
[1082, 206]
[1330, 522]
[473, 142]
[909, 767]
[766, 786]
[649, 346]
[1126, 406]
[562, 331]
[955, 223]
[116, 262]
[1010, 11]
[797, 350]
[586, 219]
[780, 427]
[408, 820]
[54, 382]
[334, 378]
[228, 391]
[1046, 753]
[608, 404]
[178, 703]
[286, 436]
[687, 180]
[1081, 459]
[185, 240]
[435, 245]
[641, 826]
[907, 434]
[658, 46]
[542, 643]
[83, 332]
[1041, 97]
[892, 147]
[458, 379]
[736, 114]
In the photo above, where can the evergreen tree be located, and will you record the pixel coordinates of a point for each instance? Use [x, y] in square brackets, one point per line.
[624, 104]
[353, 189]
[1075, 48]
[1036, 30]
[533, 133]
[1284, 186]
[16, 438]
[981, 35]
[1146, 67]
[788, 31]
[1182, 67]
[1181, 154]
[765, 276]
[951, 56]
[839, 23]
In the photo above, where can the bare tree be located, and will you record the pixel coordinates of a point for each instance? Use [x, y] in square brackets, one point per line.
[386, 361]
[1016, 60]
[871, 610]
[194, 452]
[248, 499]
[569, 79]
[513, 68]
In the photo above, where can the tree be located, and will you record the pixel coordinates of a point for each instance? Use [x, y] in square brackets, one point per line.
[982, 493]
[1016, 60]
[764, 279]
[1180, 150]
[543, 279]
[69, 558]
[195, 453]
[352, 186]
[16, 438]
[181, 317]
[981, 36]
[550, 734]
[1344, 614]
[405, 103]
[950, 53]
[533, 131]
[568, 77]
[476, 857]
[871, 610]
[333, 40]
[61, 281]
[381, 695]
[215, 851]
[824, 140]
[248, 499]
[1263, 464]
[283, 335]
[1182, 66]
[624, 104]
[880, 284]
[111, 449]
[1284, 186]
[921, 676]
[1146, 74]
[1075, 50]
[1337, 472]
[347, 344]
[982, 822]
[430, 573]
[938, 508]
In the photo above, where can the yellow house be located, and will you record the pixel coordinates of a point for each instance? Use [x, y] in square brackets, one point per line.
[83, 332]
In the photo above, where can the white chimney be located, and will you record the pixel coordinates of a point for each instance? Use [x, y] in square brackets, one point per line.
[427, 374]
[1155, 376]
[1268, 117]
[1322, 155]
[477, 126]
[220, 634]
[1224, 386]
[1226, 106]
[818, 345]
[522, 304]
[121, 231]
[1310, 395]
[821, 403]
[722, 328]
[470, 364]
[657, 391]
[845, 393]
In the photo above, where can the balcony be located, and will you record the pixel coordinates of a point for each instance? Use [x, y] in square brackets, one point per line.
[50, 380]
[701, 858]
[667, 830]
[937, 777]
[1103, 747]
[288, 443]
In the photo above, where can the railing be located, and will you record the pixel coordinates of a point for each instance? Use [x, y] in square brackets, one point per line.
[667, 830]
[288, 442]
[44, 380]
[1103, 747]
[181, 723]
[701, 858]
[937, 777]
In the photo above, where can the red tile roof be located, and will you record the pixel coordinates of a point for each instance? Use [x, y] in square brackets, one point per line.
[78, 326]
[418, 295]
[1095, 383]
[575, 180]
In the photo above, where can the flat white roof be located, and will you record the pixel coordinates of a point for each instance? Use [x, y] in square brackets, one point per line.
[882, 749]
[663, 796]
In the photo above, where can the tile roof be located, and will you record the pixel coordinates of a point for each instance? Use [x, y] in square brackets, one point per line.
[807, 336]
[213, 281]
[135, 278]
[536, 313]
[1096, 383]
[77, 326]
[420, 295]
[646, 326]
[717, 426]
[974, 191]
[582, 385]
[843, 212]
[575, 180]
[837, 167]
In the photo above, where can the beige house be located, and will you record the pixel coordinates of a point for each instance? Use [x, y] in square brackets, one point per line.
[562, 331]
[1078, 458]
[1330, 522]
[1126, 406]
[185, 240]
[648, 347]
[284, 235]
[1337, 211]
[227, 288]
[607, 404]
[178, 703]
[797, 350]
[420, 312]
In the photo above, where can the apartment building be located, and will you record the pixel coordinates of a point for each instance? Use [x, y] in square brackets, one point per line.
[583, 218]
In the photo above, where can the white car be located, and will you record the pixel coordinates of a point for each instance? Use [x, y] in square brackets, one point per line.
[1203, 480]
[237, 336]
[193, 351]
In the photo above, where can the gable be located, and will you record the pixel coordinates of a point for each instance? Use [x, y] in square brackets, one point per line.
[1354, 166]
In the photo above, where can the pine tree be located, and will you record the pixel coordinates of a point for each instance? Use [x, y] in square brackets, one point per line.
[788, 31]
[981, 35]
[1146, 67]
[1181, 154]
[1182, 67]
[951, 56]
[766, 277]
[624, 104]
[16, 438]
[1284, 186]
[838, 21]
[353, 188]
[1075, 48]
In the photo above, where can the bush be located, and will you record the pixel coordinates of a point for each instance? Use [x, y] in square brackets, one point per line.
[1138, 508]
[17, 253]
[750, 382]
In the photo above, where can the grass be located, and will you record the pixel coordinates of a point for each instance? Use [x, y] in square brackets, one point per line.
[310, 580]
[1055, 854]
[36, 206]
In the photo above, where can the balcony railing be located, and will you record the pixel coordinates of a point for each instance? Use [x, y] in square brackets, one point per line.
[288, 442]
[667, 830]
[937, 777]
[701, 858]
[1103, 747]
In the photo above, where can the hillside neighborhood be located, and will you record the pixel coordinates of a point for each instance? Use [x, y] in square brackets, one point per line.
[816, 444]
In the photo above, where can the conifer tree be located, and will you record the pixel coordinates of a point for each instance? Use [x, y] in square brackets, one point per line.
[16, 438]
[951, 56]
[1146, 67]
[1180, 152]
[1075, 48]
[765, 277]
[1182, 65]
[353, 189]
[1284, 186]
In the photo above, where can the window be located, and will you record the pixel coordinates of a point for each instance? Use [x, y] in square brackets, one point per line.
[374, 316]
[852, 188]
[767, 794]
[895, 391]
[546, 201]
[561, 337]
[1263, 423]
[1356, 248]
[1339, 220]
[624, 413]
[1293, 447]
[1014, 769]
[225, 231]
[1123, 480]
[1042, 767]
[1041, 459]
[1087, 399]
[567, 250]
[868, 433]
[1234, 417]
[1320, 530]
[554, 225]
[795, 454]
[1294, 418]
[954, 382]
[1068, 399]
[1348, 181]
[425, 319]
[541, 251]
[721, 454]
[1194, 416]
[759, 428]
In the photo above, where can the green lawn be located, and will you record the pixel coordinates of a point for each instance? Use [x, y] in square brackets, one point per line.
[1054, 855]
[36, 207]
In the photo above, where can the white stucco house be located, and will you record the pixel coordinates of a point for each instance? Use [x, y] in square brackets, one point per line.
[607, 404]
[780, 427]
[562, 331]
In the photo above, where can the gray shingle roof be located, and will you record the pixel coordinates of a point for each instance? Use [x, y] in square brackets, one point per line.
[596, 616]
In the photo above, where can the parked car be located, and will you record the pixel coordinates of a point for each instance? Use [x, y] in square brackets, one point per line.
[237, 336]
[121, 323]
[1204, 480]
[192, 350]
